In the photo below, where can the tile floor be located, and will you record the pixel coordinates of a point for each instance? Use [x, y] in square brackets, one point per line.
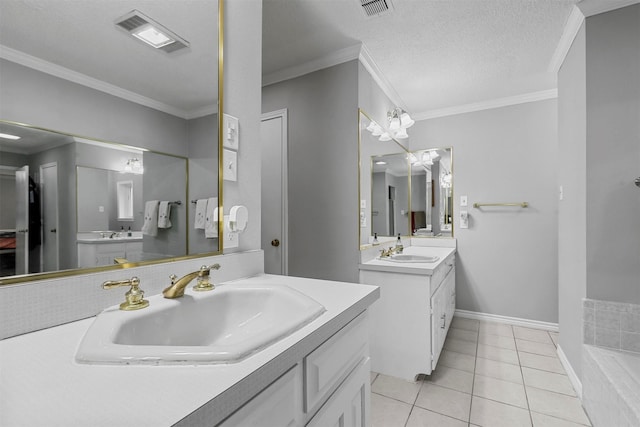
[490, 375]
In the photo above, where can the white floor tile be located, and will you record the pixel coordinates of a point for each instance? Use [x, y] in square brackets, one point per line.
[444, 401]
[452, 359]
[557, 405]
[536, 348]
[488, 413]
[554, 337]
[545, 363]
[396, 388]
[500, 370]
[532, 334]
[547, 381]
[501, 391]
[422, 418]
[497, 341]
[462, 334]
[387, 412]
[541, 420]
[467, 324]
[460, 346]
[497, 353]
[491, 328]
[452, 378]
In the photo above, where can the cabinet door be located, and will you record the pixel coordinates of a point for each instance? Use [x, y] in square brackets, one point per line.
[443, 308]
[350, 405]
[280, 404]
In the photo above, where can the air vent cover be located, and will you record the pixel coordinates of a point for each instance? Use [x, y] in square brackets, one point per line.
[134, 20]
[375, 7]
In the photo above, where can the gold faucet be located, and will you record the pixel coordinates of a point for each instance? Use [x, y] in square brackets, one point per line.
[134, 297]
[176, 289]
[386, 253]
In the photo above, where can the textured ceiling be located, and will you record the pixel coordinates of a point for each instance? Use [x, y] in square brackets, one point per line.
[434, 53]
[80, 35]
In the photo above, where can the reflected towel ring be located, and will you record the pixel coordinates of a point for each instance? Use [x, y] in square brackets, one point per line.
[637, 181]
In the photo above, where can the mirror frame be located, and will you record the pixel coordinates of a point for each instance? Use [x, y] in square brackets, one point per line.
[25, 278]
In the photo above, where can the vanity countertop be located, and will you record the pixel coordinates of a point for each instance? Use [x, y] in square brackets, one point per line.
[421, 268]
[42, 384]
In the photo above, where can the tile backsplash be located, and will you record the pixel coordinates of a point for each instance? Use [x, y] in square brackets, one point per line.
[611, 324]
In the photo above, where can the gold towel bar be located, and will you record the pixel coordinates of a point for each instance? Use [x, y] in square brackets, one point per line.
[521, 204]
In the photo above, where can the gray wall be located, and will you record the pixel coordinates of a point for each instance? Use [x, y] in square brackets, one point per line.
[507, 260]
[39, 99]
[242, 83]
[572, 215]
[165, 178]
[323, 177]
[613, 155]
[203, 175]
[93, 191]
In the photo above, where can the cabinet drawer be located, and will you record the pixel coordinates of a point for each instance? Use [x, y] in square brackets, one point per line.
[277, 405]
[328, 365]
[441, 272]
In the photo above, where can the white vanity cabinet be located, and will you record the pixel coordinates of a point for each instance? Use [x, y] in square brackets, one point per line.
[410, 321]
[329, 386]
[95, 254]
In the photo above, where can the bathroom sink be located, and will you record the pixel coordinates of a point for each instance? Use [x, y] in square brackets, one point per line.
[411, 258]
[221, 326]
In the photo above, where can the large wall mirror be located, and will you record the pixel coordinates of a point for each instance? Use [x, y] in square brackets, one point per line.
[106, 142]
[401, 191]
[384, 184]
[431, 193]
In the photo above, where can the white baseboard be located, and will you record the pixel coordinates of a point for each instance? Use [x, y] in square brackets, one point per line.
[515, 321]
[575, 381]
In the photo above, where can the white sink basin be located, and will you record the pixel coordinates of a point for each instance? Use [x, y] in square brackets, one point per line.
[411, 258]
[222, 326]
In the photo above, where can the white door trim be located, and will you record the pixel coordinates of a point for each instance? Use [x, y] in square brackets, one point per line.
[57, 225]
[283, 114]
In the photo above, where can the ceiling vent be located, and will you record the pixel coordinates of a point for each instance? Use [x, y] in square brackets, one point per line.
[150, 32]
[373, 8]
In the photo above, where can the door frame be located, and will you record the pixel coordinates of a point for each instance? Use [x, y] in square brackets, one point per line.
[283, 114]
[42, 209]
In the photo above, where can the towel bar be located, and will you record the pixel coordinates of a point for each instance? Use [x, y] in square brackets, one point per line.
[520, 204]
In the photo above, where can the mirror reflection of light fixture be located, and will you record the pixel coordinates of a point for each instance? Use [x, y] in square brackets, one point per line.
[133, 166]
[385, 137]
[445, 180]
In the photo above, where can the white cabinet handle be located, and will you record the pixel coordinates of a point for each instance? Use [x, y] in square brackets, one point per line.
[444, 321]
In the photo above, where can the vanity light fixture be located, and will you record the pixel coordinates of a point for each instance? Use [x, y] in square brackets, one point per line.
[9, 136]
[133, 166]
[150, 32]
[385, 137]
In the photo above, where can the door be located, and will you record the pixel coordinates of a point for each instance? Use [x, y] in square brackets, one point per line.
[273, 136]
[22, 220]
[49, 255]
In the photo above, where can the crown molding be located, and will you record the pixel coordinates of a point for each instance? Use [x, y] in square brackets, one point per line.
[487, 105]
[595, 7]
[359, 52]
[369, 64]
[82, 79]
[334, 58]
[571, 28]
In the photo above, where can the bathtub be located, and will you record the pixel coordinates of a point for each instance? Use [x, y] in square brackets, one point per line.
[611, 386]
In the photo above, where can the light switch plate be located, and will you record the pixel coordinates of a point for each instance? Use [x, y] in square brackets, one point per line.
[231, 132]
[464, 219]
[363, 204]
[463, 201]
[230, 161]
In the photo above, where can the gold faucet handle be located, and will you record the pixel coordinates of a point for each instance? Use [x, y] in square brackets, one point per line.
[134, 296]
[203, 283]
